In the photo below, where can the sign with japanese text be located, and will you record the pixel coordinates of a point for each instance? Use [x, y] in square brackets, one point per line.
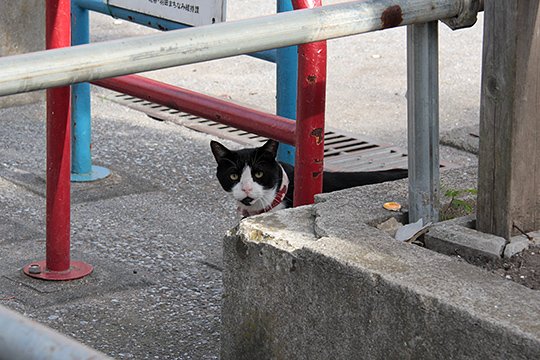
[188, 12]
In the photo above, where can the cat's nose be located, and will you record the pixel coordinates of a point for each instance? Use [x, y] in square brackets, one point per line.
[247, 189]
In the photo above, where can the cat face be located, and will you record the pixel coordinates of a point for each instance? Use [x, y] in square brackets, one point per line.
[250, 175]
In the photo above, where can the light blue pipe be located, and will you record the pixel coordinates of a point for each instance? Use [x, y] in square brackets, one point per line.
[287, 85]
[81, 118]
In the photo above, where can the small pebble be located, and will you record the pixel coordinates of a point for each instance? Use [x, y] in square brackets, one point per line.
[508, 277]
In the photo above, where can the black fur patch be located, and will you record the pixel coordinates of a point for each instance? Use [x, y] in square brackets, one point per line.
[262, 159]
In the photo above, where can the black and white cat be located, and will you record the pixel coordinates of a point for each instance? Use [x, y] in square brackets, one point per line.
[259, 183]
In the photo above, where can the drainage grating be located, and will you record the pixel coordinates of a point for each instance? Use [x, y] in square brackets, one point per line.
[342, 152]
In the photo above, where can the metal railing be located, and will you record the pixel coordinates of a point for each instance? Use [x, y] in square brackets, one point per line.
[66, 66]
[24, 339]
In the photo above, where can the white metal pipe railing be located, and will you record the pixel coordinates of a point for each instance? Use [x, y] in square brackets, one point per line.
[58, 67]
[24, 339]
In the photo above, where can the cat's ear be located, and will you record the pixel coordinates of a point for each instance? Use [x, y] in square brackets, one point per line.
[219, 150]
[271, 146]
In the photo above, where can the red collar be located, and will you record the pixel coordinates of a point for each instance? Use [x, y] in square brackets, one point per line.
[278, 199]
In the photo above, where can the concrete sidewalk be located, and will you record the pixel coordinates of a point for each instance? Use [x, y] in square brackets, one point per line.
[154, 229]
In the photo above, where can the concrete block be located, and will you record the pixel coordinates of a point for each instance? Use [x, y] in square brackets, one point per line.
[390, 226]
[321, 282]
[515, 246]
[22, 30]
[535, 235]
[455, 239]
[520, 242]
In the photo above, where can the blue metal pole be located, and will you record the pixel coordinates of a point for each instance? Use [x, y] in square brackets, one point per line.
[287, 85]
[81, 156]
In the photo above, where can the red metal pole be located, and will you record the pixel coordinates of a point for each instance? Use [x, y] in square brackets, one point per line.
[57, 265]
[58, 145]
[309, 160]
[241, 117]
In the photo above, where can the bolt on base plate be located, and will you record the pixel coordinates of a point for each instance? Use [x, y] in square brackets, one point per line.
[77, 270]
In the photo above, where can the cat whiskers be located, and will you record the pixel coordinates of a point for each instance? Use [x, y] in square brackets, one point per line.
[267, 202]
[264, 203]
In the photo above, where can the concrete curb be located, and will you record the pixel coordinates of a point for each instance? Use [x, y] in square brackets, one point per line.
[458, 237]
[321, 282]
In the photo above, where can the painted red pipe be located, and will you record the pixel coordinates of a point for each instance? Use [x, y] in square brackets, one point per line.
[58, 34]
[309, 160]
[254, 121]
[58, 265]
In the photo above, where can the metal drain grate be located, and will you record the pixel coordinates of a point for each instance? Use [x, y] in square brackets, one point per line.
[342, 152]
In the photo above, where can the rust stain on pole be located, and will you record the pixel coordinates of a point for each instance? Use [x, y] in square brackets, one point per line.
[317, 133]
[392, 17]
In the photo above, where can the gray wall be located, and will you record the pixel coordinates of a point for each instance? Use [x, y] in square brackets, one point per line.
[22, 30]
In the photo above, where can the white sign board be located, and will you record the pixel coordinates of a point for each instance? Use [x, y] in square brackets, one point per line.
[188, 12]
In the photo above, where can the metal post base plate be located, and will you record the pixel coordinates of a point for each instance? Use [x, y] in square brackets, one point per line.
[97, 173]
[77, 270]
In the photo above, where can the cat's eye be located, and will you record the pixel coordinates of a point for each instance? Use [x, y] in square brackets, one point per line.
[234, 176]
[259, 174]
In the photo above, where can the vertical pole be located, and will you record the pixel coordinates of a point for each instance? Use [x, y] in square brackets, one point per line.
[58, 145]
[81, 111]
[57, 265]
[309, 159]
[287, 81]
[509, 156]
[81, 166]
[423, 121]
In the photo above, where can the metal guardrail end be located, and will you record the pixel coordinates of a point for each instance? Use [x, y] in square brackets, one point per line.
[467, 16]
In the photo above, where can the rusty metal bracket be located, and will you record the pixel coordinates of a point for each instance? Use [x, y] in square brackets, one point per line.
[467, 14]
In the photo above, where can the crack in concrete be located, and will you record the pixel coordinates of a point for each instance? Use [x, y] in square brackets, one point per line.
[318, 229]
